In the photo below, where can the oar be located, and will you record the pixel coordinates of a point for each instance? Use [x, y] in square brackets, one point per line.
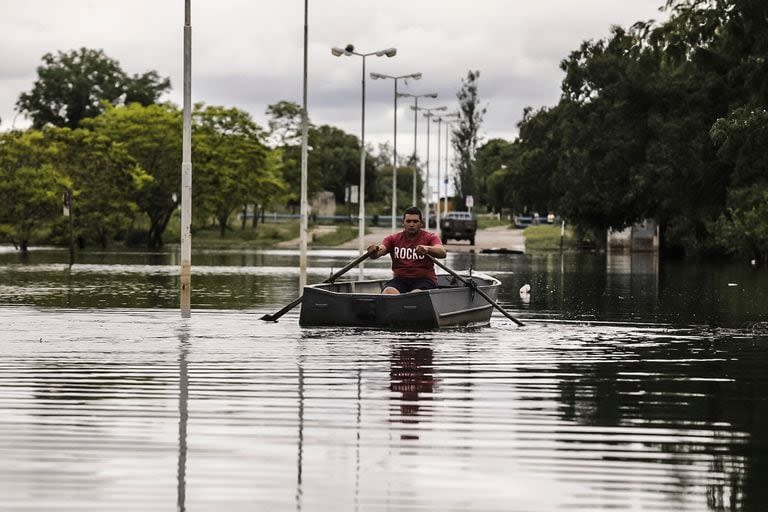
[352, 264]
[478, 290]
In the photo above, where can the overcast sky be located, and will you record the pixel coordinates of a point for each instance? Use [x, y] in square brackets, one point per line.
[248, 53]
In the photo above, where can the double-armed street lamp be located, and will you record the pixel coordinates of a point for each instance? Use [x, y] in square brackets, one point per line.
[428, 113]
[415, 109]
[348, 51]
[380, 76]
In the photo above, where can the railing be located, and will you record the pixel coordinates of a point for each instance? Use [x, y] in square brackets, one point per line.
[274, 217]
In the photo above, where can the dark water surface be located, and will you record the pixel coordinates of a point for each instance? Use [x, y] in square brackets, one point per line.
[632, 386]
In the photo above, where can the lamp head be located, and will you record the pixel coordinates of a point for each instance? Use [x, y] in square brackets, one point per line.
[377, 76]
[349, 48]
[390, 52]
[431, 95]
[416, 76]
[338, 52]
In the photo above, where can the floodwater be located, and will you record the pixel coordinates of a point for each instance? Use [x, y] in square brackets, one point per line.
[633, 385]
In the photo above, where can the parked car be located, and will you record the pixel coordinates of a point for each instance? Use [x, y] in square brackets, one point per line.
[458, 226]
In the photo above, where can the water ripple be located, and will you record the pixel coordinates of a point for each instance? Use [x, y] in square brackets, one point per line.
[132, 409]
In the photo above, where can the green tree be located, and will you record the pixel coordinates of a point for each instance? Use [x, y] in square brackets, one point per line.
[466, 134]
[405, 176]
[741, 139]
[104, 181]
[73, 85]
[231, 164]
[284, 123]
[492, 157]
[335, 160]
[31, 188]
[152, 136]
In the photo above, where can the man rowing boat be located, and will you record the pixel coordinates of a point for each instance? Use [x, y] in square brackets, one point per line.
[412, 270]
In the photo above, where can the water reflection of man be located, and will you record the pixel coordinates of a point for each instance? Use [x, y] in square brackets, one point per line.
[411, 376]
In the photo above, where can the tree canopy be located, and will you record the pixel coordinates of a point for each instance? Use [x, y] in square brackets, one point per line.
[466, 134]
[230, 164]
[74, 85]
[656, 121]
[152, 136]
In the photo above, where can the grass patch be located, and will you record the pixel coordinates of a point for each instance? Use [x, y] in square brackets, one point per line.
[265, 235]
[547, 238]
[491, 221]
[342, 234]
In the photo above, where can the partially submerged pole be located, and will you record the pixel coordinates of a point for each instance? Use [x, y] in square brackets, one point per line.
[304, 208]
[186, 172]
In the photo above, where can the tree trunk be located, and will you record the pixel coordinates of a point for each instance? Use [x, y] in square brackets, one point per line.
[157, 228]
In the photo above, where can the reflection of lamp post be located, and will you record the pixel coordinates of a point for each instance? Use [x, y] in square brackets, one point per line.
[350, 50]
[428, 114]
[415, 109]
[377, 76]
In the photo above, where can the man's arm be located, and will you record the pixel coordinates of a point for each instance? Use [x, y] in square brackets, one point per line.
[436, 251]
[377, 250]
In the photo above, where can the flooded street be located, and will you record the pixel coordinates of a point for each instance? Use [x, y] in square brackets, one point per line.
[632, 386]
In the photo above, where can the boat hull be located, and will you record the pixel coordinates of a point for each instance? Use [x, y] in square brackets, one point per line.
[361, 304]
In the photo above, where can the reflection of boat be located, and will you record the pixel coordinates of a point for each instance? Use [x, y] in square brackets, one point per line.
[361, 304]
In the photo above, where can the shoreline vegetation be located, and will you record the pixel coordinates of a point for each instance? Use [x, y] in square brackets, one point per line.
[268, 235]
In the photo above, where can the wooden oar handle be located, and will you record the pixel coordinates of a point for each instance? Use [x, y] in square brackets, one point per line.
[349, 266]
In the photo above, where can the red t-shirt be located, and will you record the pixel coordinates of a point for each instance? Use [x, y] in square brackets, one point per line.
[405, 262]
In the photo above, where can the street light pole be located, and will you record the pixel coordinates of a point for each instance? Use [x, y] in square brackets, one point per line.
[377, 76]
[415, 109]
[428, 114]
[350, 50]
[185, 277]
[439, 121]
[304, 206]
[448, 124]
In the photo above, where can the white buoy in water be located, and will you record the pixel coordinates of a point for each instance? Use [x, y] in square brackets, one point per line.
[525, 293]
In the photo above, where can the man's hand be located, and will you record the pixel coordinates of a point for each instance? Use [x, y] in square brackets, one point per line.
[436, 251]
[374, 251]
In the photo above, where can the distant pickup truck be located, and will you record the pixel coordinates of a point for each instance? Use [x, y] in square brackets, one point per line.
[458, 226]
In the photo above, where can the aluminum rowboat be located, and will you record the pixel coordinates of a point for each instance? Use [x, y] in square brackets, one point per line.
[361, 304]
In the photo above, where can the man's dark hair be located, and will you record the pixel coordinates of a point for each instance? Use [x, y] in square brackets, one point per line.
[413, 210]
